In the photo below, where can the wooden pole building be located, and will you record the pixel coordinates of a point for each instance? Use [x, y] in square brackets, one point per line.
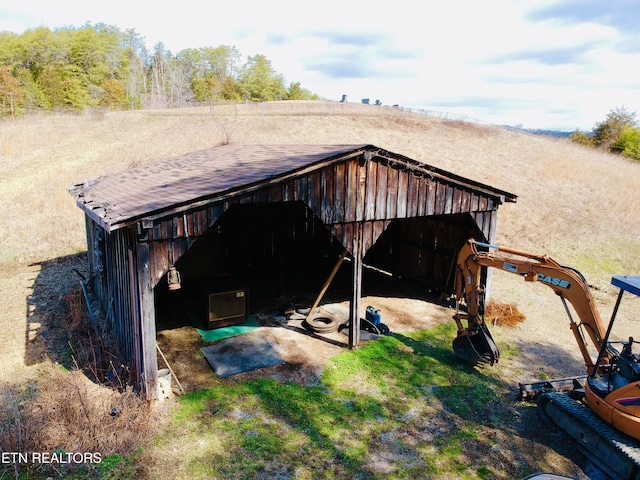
[217, 213]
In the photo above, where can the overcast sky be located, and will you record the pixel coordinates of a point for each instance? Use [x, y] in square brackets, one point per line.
[558, 64]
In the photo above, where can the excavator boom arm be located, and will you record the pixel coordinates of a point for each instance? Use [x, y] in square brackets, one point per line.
[566, 282]
[611, 388]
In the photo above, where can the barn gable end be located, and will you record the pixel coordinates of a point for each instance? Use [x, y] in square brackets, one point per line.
[144, 220]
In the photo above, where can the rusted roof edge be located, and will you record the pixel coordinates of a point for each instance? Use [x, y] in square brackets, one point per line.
[88, 208]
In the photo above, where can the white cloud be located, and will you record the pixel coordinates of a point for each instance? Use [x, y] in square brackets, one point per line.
[550, 64]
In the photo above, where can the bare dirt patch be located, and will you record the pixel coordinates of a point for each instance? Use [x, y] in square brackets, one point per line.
[304, 352]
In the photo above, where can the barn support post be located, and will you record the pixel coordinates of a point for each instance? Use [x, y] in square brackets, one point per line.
[356, 289]
[147, 324]
[135, 348]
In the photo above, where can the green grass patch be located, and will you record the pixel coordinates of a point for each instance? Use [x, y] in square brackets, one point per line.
[382, 400]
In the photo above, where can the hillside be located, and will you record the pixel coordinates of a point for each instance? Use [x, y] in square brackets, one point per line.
[572, 190]
[577, 205]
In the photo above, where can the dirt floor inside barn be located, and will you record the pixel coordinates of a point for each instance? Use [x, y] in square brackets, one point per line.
[304, 352]
[280, 321]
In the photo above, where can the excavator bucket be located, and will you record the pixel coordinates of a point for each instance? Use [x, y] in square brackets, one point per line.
[477, 346]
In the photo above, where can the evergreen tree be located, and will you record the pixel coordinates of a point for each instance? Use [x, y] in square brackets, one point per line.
[212, 67]
[296, 92]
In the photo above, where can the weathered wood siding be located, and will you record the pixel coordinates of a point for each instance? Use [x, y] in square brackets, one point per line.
[355, 198]
[341, 195]
[113, 263]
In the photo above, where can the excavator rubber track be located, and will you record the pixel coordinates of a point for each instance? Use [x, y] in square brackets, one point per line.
[607, 448]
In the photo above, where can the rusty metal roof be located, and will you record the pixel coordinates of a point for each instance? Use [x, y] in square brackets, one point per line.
[122, 198]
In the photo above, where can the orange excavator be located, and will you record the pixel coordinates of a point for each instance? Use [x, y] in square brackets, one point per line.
[611, 387]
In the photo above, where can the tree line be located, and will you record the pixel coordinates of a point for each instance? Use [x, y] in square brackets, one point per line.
[619, 132]
[70, 68]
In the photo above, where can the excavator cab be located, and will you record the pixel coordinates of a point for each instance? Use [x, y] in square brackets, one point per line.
[628, 362]
[623, 368]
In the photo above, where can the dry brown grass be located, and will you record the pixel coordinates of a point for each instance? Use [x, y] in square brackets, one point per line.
[81, 412]
[67, 413]
[565, 191]
[503, 314]
[578, 205]
[70, 412]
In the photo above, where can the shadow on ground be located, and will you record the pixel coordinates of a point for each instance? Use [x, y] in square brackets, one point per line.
[55, 290]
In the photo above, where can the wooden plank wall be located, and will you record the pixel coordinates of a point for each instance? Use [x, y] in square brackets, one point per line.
[112, 262]
[423, 248]
[354, 196]
[341, 195]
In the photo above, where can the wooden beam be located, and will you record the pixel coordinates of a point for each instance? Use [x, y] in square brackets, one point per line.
[354, 305]
[134, 350]
[356, 289]
[147, 343]
[328, 282]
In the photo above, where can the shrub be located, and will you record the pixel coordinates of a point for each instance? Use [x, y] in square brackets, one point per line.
[608, 132]
[582, 138]
[629, 143]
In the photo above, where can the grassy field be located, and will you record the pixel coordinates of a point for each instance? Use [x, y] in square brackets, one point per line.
[578, 205]
[377, 414]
